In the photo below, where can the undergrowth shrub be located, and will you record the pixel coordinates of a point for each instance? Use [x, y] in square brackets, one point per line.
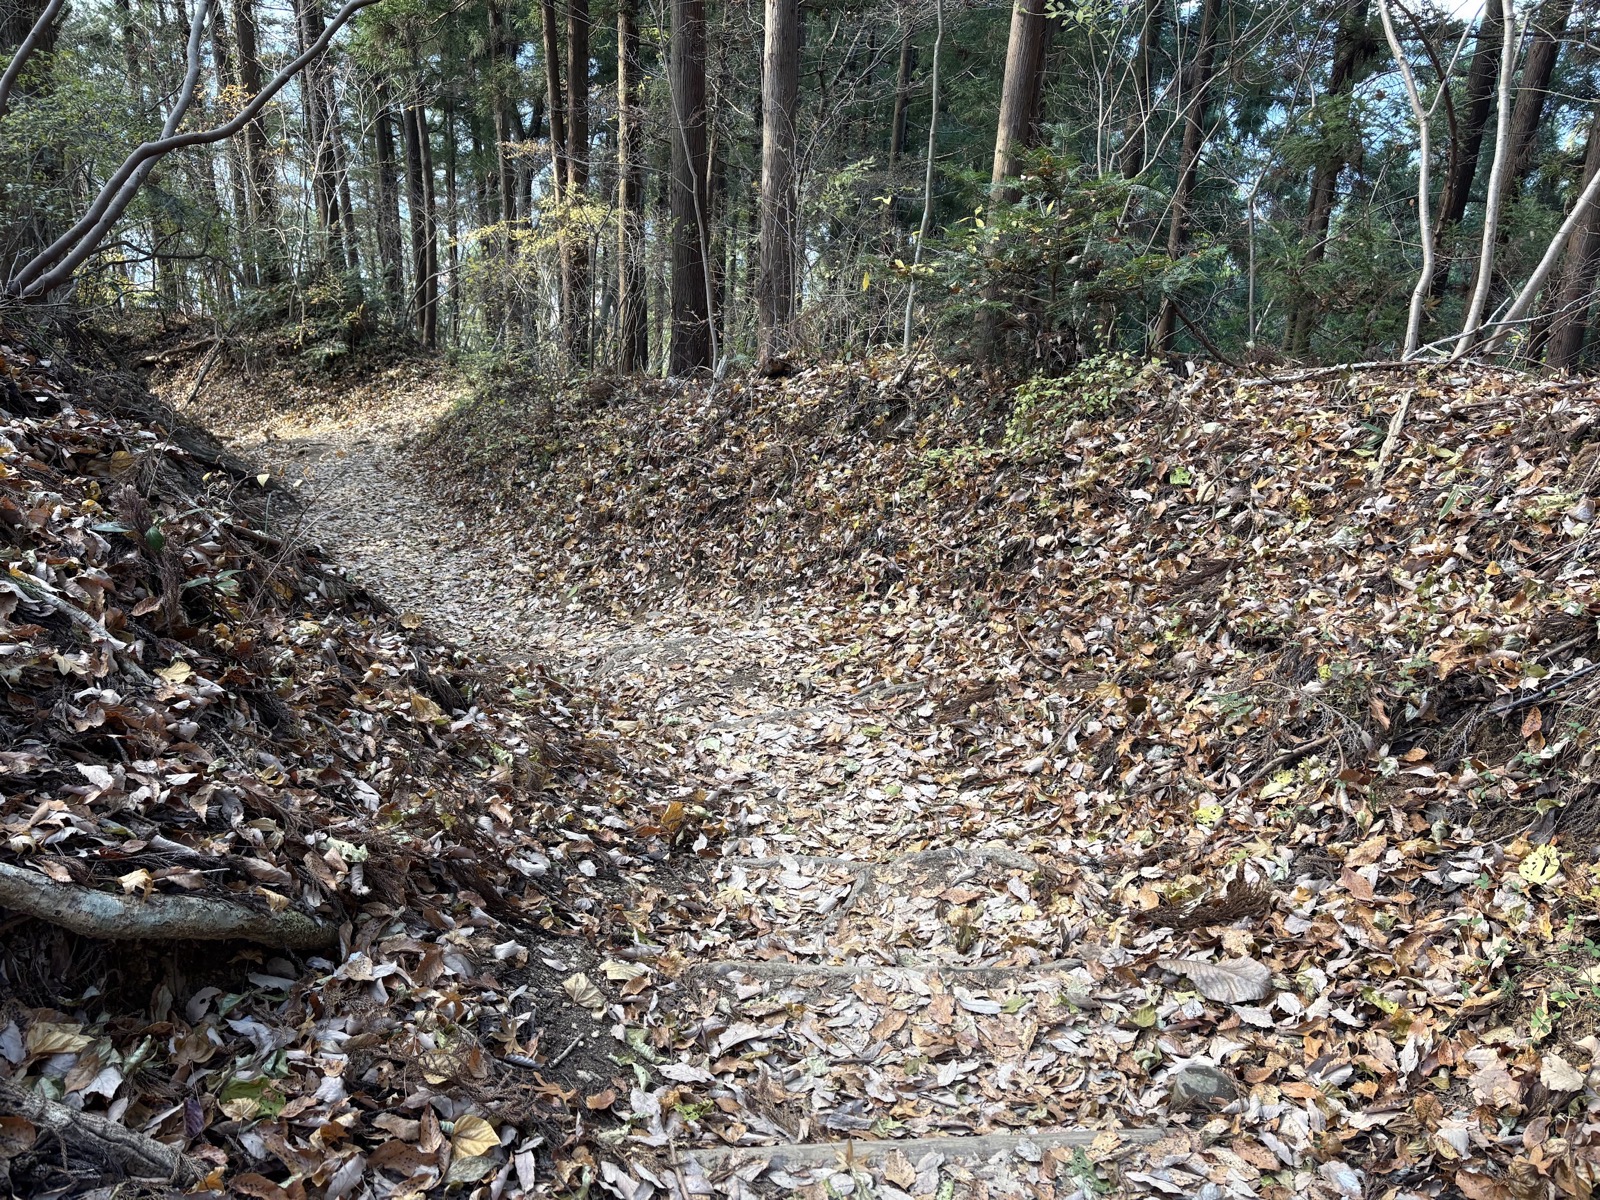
[1044, 406]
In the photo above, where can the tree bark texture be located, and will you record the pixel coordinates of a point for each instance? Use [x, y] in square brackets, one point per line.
[388, 198]
[1193, 97]
[1483, 78]
[424, 238]
[580, 310]
[1352, 45]
[1019, 96]
[1574, 302]
[633, 336]
[690, 351]
[780, 90]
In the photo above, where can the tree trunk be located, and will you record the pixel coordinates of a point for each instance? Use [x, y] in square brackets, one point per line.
[581, 309]
[233, 153]
[1483, 271]
[1136, 142]
[902, 99]
[691, 348]
[388, 188]
[424, 241]
[1570, 322]
[321, 133]
[1546, 31]
[1019, 96]
[1193, 98]
[780, 90]
[556, 104]
[267, 248]
[1352, 44]
[502, 65]
[1482, 80]
[633, 322]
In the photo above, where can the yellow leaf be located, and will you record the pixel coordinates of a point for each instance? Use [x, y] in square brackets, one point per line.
[866, 280]
[473, 1136]
[136, 881]
[177, 672]
[45, 1039]
[1541, 866]
[424, 709]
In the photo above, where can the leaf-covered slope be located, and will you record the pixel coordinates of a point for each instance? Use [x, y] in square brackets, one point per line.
[205, 730]
[1220, 558]
[1292, 670]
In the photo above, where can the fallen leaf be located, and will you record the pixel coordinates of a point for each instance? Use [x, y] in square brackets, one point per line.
[473, 1136]
[1231, 981]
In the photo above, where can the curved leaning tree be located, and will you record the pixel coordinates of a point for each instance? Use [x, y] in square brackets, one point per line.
[51, 267]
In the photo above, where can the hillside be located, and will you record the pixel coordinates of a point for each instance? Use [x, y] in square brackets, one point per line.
[1146, 786]
[1293, 675]
[280, 867]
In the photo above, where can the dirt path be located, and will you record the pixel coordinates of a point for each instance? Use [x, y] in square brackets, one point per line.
[874, 955]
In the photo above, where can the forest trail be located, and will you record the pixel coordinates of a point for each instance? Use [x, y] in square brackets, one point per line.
[871, 958]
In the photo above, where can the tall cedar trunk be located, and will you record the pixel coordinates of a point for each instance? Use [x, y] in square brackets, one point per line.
[690, 351]
[232, 152]
[633, 322]
[780, 91]
[388, 187]
[1545, 34]
[452, 210]
[1570, 324]
[581, 308]
[316, 89]
[1194, 98]
[1018, 101]
[902, 99]
[1019, 96]
[1136, 142]
[268, 250]
[1033, 127]
[1352, 44]
[502, 61]
[424, 243]
[1483, 78]
[556, 103]
[553, 95]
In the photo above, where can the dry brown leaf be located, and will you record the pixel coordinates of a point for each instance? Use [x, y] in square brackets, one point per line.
[1231, 981]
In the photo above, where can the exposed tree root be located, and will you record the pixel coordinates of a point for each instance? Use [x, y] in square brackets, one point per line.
[125, 1151]
[157, 918]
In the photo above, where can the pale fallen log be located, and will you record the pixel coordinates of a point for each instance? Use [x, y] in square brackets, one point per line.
[158, 917]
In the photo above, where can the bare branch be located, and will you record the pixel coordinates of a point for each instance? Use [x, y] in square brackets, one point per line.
[51, 267]
[25, 51]
[1541, 273]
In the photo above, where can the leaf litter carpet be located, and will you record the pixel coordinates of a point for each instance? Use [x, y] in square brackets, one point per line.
[854, 961]
[1253, 857]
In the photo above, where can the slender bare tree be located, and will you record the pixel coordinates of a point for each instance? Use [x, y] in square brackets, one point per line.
[1422, 116]
[53, 266]
[1497, 176]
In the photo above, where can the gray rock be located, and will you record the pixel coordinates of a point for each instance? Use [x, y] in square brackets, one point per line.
[1198, 1088]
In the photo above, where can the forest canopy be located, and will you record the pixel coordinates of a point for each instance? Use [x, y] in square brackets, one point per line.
[678, 185]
